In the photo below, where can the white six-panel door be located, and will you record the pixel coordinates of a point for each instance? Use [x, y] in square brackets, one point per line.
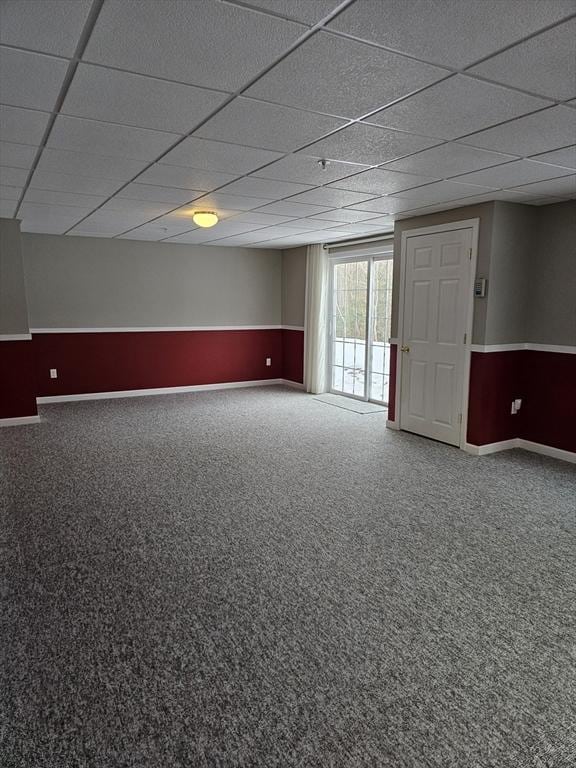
[437, 277]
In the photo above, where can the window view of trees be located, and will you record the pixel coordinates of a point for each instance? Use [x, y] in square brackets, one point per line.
[350, 284]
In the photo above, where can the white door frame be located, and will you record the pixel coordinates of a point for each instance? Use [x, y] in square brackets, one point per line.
[474, 225]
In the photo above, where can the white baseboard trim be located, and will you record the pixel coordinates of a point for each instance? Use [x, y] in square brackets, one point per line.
[518, 442]
[484, 450]
[171, 329]
[15, 336]
[290, 383]
[557, 348]
[19, 421]
[392, 425]
[158, 391]
[547, 450]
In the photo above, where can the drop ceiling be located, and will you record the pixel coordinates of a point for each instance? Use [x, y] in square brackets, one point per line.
[120, 119]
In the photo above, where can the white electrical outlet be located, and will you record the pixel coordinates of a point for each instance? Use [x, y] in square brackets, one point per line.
[53, 373]
[268, 361]
[518, 404]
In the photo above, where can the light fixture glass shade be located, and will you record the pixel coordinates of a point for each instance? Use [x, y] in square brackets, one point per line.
[205, 218]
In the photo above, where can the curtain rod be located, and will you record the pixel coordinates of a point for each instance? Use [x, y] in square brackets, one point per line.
[344, 243]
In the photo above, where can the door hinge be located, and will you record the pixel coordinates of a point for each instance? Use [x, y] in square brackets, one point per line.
[470, 254]
[465, 338]
[459, 418]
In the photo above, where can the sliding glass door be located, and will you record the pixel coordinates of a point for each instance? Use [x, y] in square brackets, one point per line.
[360, 311]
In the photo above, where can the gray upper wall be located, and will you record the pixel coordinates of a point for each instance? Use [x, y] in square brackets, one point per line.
[510, 274]
[551, 313]
[293, 286]
[83, 282]
[484, 212]
[13, 309]
[528, 255]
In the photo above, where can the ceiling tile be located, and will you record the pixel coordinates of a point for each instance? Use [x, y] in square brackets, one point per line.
[441, 191]
[160, 228]
[13, 177]
[221, 47]
[108, 139]
[82, 164]
[448, 160]
[362, 229]
[145, 232]
[79, 232]
[52, 27]
[544, 64]
[184, 178]
[111, 222]
[546, 201]
[288, 208]
[382, 181]
[301, 168]
[380, 221]
[48, 227]
[388, 205]
[218, 156]
[546, 130]
[454, 32]
[144, 209]
[513, 174]
[10, 193]
[268, 126]
[456, 107]
[334, 198]
[287, 230]
[300, 10]
[40, 214]
[30, 79]
[122, 97]
[342, 77]
[83, 185]
[303, 224]
[7, 208]
[494, 194]
[243, 240]
[220, 200]
[265, 219]
[368, 144]
[267, 188]
[157, 194]
[196, 236]
[52, 197]
[24, 126]
[17, 155]
[565, 157]
[564, 187]
[232, 227]
[342, 215]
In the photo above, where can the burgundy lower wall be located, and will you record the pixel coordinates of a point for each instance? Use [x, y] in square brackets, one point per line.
[293, 355]
[546, 383]
[549, 406]
[109, 362]
[495, 380]
[17, 379]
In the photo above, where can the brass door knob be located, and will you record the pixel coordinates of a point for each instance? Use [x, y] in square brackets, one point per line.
[404, 349]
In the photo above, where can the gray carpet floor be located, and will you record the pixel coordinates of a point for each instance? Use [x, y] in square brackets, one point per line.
[251, 579]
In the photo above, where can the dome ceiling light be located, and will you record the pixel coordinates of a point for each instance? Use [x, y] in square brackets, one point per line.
[205, 218]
